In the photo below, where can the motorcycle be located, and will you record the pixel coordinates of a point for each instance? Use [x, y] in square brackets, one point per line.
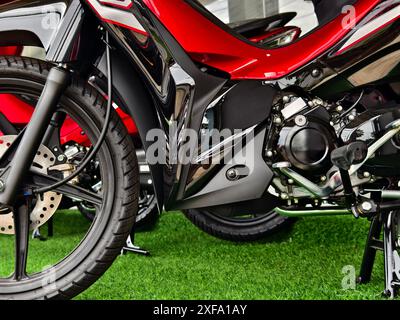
[237, 119]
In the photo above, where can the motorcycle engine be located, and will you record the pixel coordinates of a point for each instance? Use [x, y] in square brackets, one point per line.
[308, 130]
[306, 138]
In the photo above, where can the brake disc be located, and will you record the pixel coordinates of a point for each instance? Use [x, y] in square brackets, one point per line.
[45, 205]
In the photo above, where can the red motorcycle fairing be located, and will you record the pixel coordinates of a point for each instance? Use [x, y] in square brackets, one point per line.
[212, 43]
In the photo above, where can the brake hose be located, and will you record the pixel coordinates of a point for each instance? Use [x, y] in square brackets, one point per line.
[92, 153]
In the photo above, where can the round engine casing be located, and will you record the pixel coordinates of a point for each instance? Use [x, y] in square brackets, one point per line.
[307, 147]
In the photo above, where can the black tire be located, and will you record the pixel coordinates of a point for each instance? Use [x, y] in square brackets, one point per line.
[108, 233]
[237, 229]
[148, 215]
[87, 211]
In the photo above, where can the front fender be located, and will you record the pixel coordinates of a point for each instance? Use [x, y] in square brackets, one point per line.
[46, 24]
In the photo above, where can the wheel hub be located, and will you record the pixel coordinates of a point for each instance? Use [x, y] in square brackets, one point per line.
[45, 205]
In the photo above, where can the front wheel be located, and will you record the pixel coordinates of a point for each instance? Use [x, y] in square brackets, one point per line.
[66, 265]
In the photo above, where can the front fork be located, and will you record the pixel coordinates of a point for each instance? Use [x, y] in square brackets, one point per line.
[12, 177]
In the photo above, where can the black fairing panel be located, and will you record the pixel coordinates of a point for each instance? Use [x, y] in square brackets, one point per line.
[50, 24]
[164, 69]
[131, 91]
[241, 110]
[180, 92]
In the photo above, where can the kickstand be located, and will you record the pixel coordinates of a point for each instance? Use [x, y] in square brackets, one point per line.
[50, 227]
[37, 235]
[387, 245]
[130, 247]
[50, 231]
[373, 244]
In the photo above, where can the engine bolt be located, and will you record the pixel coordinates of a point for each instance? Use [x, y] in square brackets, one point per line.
[61, 158]
[300, 120]
[351, 117]
[323, 178]
[2, 186]
[290, 181]
[284, 196]
[318, 101]
[232, 174]
[366, 174]
[339, 108]
[270, 154]
[316, 73]
[278, 121]
[286, 99]
[366, 206]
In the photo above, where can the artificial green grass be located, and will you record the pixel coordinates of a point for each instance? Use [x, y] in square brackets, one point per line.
[303, 262]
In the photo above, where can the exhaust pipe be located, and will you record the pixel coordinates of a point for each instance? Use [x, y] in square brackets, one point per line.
[312, 212]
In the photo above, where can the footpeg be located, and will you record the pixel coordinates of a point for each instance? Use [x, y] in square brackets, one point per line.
[353, 153]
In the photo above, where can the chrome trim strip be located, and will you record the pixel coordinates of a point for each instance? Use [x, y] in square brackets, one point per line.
[117, 16]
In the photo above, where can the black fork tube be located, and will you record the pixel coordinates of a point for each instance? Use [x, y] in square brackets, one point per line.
[12, 177]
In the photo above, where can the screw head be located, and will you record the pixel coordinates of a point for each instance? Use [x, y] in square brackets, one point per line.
[300, 120]
[232, 174]
[323, 178]
[278, 120]
[366, 206]
[286, 99]
[318, 101]
[366, 174]
[270, 154]
[61, 158]
[351, 117]
[339, 108]
[316, 73]
[284, 196]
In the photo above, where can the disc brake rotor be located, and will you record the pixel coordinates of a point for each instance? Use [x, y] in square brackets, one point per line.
[44, 205]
